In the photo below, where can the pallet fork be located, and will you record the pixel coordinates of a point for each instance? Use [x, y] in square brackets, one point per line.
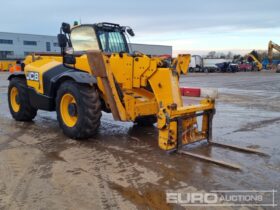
[181, 148]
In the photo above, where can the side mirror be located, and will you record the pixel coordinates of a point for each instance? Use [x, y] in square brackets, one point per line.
[130, 32]
[69, 59]
[66, 28]
[62, 40]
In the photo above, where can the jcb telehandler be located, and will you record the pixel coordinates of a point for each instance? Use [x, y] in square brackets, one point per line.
[96, 72]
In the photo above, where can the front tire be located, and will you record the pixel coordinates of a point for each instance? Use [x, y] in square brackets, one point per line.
[78, 110]
[18, 99]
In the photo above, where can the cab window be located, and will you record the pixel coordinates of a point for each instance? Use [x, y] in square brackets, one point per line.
[112, 41]
[84, 38]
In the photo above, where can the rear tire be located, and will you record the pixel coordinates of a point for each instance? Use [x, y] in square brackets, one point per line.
[18, 99]
[79, 116]
[146, 120]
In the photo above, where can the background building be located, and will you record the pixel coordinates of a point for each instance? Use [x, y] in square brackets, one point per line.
[17, 45]
[152, 49]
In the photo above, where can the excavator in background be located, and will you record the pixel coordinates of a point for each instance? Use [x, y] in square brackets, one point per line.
[253, 57]
[271, 46]
[96, 72]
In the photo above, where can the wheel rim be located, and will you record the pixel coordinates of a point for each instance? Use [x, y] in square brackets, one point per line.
[69, 118]
[14, 99]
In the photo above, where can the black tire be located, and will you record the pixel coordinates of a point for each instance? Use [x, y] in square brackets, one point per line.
[88, 109]
[146, 120]
[26, 112]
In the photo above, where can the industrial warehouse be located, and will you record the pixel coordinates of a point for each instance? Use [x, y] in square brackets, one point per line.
[132, 107]
[17, 46]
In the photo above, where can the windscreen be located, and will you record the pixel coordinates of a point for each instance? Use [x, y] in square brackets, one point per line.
[84, 38]
[112, 41]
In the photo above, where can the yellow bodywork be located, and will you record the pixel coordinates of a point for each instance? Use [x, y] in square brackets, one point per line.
[69, 120]
[147, 88]
[271, 46]
[13, 98]
[6, 64]
[258, 63]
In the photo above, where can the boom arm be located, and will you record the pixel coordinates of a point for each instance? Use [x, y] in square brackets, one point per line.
[140, 86]
[254, 57]
[271, 46]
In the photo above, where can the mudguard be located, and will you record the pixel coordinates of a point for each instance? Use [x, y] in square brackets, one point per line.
[51, 85]
[54, 77]
[77, 76]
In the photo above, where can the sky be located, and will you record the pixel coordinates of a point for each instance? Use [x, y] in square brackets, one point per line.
[196, 26]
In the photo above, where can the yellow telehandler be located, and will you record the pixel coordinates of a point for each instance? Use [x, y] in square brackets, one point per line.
[96, 72]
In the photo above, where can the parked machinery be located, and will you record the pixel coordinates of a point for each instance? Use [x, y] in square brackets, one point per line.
[253, 58]
[196, 64]
[227, 67]
[199, 64]
[271, 46]
[6, 64]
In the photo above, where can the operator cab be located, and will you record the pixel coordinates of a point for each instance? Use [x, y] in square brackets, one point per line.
[107, 37]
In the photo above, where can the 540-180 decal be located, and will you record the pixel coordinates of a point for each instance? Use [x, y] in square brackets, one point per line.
[33, 76]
